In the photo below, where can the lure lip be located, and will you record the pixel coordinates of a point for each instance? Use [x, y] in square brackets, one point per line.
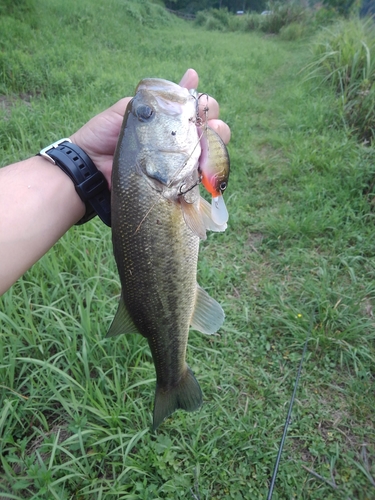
[219, 212]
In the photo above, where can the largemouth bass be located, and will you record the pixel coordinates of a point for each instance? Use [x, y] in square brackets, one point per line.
[158, 218]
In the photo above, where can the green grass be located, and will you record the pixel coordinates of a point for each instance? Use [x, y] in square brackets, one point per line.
[344, 58]
[75, 409]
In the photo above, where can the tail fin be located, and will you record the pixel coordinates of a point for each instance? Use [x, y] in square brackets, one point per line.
[187, 395]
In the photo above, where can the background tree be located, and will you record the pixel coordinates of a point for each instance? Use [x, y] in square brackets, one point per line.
[368, 8]
[231, 5]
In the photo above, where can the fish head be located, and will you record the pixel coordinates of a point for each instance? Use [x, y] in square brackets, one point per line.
[164, 116]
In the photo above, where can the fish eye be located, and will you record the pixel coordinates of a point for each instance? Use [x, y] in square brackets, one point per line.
[223, 186]
[144, 113]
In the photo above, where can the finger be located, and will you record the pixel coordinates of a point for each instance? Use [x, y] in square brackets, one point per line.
[120, 106]
[221, 128]
[190, 79]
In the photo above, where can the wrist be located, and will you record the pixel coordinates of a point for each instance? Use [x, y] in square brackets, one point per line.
[56, 190]
[88, 181]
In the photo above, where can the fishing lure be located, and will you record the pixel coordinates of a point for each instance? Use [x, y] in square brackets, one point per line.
[214, 169]
[214, 164]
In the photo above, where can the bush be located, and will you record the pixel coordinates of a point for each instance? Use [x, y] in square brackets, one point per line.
[214, 24]
[251, 22]
[324, 17]
[222, 15]
[282, 14]
[292, 31]
[342, 7]
[235, 23]
[344, 57]
[215, 19]
[200, 18]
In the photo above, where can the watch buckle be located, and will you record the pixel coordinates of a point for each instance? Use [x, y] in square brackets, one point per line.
[54, 145]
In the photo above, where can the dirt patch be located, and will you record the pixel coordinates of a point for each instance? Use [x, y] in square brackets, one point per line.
[254, 240]
[8, 101]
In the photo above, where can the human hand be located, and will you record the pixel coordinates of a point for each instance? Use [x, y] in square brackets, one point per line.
[98, 137]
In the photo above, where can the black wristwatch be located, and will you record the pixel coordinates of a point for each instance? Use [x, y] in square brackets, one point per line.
[88, 181]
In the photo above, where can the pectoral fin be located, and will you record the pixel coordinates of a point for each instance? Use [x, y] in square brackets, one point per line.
[208, 315]
[193, 218]
[198, 217]
[122, 322]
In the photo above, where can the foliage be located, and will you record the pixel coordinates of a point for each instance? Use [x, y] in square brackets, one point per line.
[194, 6]
[75, 407]
[19, 9]
[367, 8]
[344, 56]
[342, 7]
[281, 15]
[324, 17]
[16, 8]
[292, 31]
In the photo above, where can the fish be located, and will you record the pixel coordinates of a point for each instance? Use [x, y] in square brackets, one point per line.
[158, 219]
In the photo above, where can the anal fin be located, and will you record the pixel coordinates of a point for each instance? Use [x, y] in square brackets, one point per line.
[122, 322]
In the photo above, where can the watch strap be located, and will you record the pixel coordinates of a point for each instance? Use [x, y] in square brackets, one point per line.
[89, 182]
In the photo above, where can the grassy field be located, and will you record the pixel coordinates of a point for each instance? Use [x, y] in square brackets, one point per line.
[75, 407]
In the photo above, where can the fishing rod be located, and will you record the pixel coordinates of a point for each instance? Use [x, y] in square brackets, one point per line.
[288, 417]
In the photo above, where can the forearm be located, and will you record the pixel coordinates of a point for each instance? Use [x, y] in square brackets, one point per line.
[38, 204]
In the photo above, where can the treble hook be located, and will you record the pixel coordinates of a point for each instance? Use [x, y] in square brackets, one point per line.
[181, 193]
[198, 120]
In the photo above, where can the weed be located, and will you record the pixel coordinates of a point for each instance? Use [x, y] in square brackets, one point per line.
[282, 14]
[344, 57]
[292, 31]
